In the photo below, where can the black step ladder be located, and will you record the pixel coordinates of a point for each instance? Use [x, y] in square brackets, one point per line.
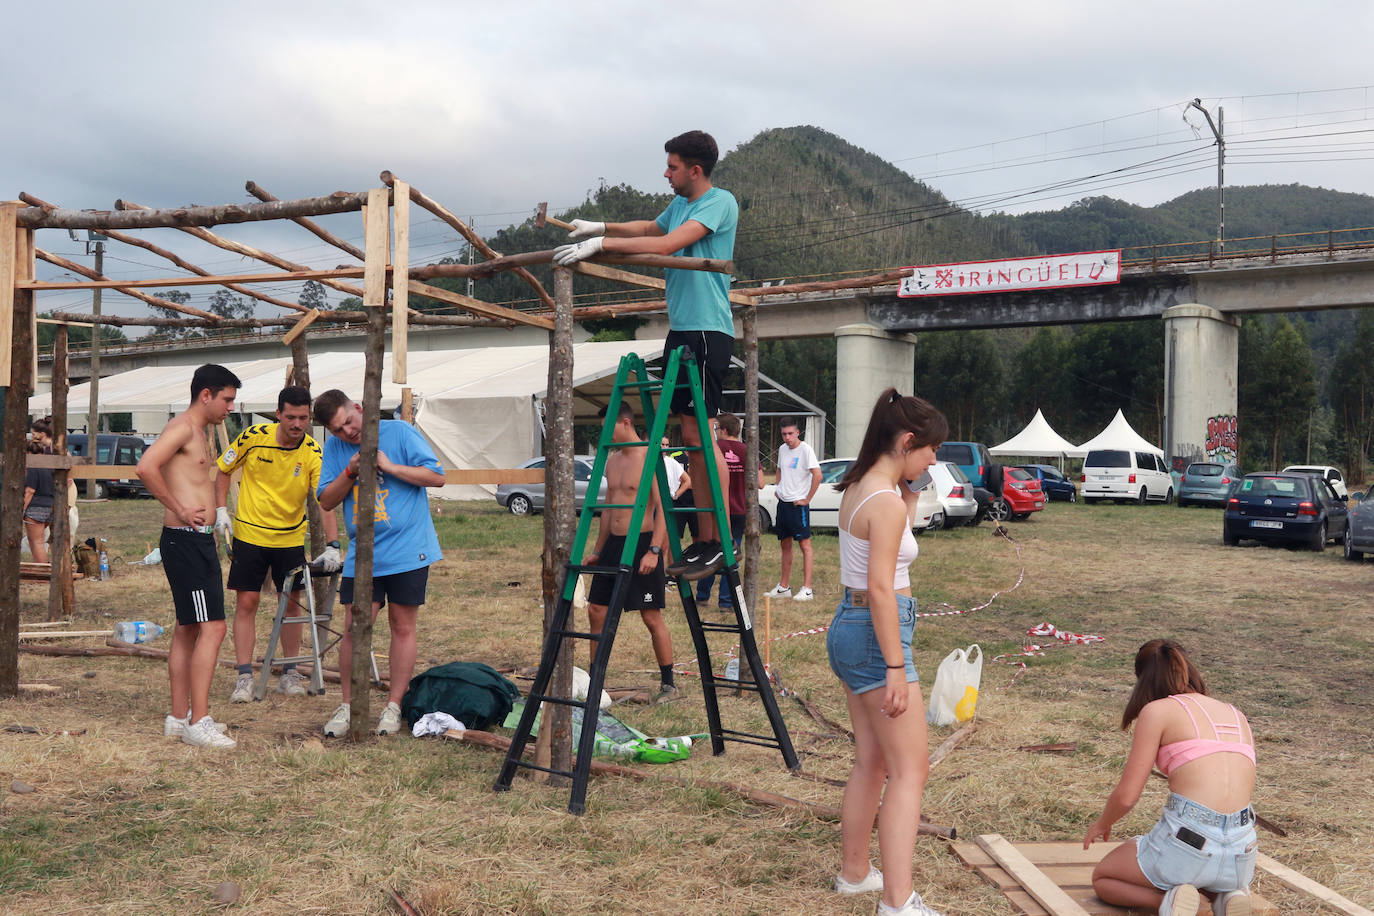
[632, 376]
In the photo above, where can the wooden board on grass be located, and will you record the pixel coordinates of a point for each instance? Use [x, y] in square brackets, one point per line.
[1068, 865]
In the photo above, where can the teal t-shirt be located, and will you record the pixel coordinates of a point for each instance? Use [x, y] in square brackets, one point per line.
[698, 299]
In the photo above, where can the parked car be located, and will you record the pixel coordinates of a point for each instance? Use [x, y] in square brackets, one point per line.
[825, 505]
[973, 459]
[112, 448]
[528, 498]
[956, 494]
[1122, 474]
[1359, 532]
[1284, 507]
[1052, 482]
[1021, 495]
[1207, 483]
[1331, 475]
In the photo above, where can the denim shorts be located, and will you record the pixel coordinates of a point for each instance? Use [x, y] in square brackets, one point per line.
[1226, 861]
[853, 648]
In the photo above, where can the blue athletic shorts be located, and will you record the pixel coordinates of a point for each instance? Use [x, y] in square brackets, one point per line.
[853, 648]
[793, 521]
[1226, 861]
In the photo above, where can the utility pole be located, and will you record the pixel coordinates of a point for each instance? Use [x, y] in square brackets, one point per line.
[1218, 131]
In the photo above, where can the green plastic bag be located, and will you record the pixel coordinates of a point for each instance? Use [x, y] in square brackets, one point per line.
[617, 741]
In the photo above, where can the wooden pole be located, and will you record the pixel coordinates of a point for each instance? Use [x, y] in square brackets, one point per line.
[16, 314]
[360, 621]
[300, 372]
[61, 595]
[407, 405]
[127, 217]
[513, 261]
[400, 280]
[266, 196]
[65, 264]
[752, 456]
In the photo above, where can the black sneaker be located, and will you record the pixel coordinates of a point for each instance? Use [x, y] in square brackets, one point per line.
[707, 562]
[690, 557]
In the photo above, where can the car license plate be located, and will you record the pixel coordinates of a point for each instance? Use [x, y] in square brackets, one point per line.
[1261, 523]
[1039, 504]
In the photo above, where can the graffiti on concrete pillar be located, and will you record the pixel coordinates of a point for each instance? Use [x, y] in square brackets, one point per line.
[1221, 437]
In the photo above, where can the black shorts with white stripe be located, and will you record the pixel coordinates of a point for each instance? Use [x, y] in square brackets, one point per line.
[191, 563]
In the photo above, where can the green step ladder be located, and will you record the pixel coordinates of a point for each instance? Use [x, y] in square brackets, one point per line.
[632, 377]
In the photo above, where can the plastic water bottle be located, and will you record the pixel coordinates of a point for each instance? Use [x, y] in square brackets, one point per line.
[104, 565]
[136, 631]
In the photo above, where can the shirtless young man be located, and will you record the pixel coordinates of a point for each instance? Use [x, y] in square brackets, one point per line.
[645, 590]
[177, 470]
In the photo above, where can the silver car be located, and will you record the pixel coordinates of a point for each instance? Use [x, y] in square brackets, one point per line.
[528, 498]
[1359, 533]
[955, 492]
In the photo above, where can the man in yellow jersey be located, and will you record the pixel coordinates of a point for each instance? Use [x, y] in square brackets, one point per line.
[281, 469]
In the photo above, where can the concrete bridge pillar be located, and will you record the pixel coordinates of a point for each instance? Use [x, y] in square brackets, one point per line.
[1201, 349]
[867, 360]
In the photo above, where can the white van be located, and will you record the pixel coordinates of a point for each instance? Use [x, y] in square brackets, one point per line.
[1121, 474]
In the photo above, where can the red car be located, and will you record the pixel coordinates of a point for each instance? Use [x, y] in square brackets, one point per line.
[1021, 495]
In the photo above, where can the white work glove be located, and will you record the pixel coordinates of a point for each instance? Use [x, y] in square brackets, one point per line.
[579, 251]
[329, 561]
[224, 527]
[585, 229]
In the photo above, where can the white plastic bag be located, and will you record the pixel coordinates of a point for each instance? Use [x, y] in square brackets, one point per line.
[954, 698]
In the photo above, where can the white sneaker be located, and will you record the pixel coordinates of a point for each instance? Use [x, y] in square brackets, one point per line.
[172, 727]
[390, 721]
[206, 733]
[778, 591]
[291, 683]
[804, 595]
[337, 726]
[1180, 900]
[914, 906]
[243, 689]
[872, 882]
[1232, 903]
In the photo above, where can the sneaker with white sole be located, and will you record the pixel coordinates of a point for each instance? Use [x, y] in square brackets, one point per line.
[914, 906]
[291, 683]
[804, 595]
[873, 881]
[778, 591]
[206, 733]
[1232, 903]
[337, 726]
[172, 727]
[1180, 900]
[243, 689]
[390, 721]
[666, 693]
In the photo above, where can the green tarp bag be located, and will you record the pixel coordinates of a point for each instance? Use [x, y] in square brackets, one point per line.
[473, 693]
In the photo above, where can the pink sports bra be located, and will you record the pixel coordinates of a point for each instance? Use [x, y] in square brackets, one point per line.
[854, 553]
[1176, 754]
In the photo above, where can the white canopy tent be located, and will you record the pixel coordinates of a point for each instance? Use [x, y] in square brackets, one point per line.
[1119, 434]
[1038, 439]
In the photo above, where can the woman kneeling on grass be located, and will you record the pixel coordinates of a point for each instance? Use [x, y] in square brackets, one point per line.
[1206, 750]
[869, 644]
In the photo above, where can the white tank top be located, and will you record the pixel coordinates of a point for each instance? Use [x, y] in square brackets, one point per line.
[854, 552]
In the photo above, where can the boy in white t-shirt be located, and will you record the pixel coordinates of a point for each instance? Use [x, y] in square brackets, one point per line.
[799, 476]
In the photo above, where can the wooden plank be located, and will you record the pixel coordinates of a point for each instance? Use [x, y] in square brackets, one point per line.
[56, 461]
[375, 219]
[208, 280]
[61, 634]
[1300, 882]
[400, 279]
[299, 327]
[1046, 892]
[407, 405]
[8, 229]
[478, 307]
[494, 475]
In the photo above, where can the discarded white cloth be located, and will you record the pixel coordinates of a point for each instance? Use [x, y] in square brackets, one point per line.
[436, 723]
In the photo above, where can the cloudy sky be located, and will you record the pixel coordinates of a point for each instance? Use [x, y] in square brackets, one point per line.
[998, 105]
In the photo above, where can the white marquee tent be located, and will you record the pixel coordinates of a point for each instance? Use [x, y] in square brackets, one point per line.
[1038, 439]
[1119, 434]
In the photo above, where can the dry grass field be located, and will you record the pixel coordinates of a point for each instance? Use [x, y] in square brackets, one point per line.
[124, 821]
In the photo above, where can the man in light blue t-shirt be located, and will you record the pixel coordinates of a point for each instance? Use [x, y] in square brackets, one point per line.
[404, 545]
[700, 223]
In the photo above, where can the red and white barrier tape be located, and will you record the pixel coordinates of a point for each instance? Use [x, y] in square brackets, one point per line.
[1034, 650]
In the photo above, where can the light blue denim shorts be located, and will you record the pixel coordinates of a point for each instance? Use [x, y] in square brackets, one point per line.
[855, 656]
[1226, 861]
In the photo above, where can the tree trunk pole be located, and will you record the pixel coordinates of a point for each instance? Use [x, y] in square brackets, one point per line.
[300, 373]
[61, 594]
[752, 456]
[16, 309]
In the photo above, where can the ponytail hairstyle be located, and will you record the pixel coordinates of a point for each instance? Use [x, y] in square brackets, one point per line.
[893, 416]
[1162, 669]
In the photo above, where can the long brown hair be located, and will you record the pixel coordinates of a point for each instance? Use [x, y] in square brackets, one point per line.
[1162, 669]
[893, 415]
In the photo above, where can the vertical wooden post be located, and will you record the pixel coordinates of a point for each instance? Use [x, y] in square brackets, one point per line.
[61, 595]
[752, 455]
[16, 322]
[559, 506]
[407, 398]
[300, 375]
[374, 304]
[400, 280]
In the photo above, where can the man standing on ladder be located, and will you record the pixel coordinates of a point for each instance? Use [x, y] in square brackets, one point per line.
[700, 222]
[281, 469]
[645, 591]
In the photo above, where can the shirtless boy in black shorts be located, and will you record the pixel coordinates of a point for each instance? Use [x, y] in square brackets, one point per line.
[176, 469]
[645, 590]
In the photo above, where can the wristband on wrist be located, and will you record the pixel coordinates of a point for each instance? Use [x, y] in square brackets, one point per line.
[352, 475]
[895, 667]
[334, 544]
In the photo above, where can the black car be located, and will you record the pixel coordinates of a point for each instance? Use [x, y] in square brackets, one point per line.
[1292, 508]
[1054, 484]
[112, 448]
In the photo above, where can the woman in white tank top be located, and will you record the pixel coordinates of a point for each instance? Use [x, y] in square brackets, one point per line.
[869, 644]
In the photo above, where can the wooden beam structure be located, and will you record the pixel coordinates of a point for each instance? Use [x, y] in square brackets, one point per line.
[400, 280]
[100, 282]
[16, 316]
[1047, 893]
[61, 596]
[125, 216]
[320, 232]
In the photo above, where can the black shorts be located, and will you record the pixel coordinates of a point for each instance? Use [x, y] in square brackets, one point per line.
[645, 592]
[406, 588]
[191, 563]
[712, 350]
[689, 520]
[737, 528]
[793, 521]
[249, 568]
